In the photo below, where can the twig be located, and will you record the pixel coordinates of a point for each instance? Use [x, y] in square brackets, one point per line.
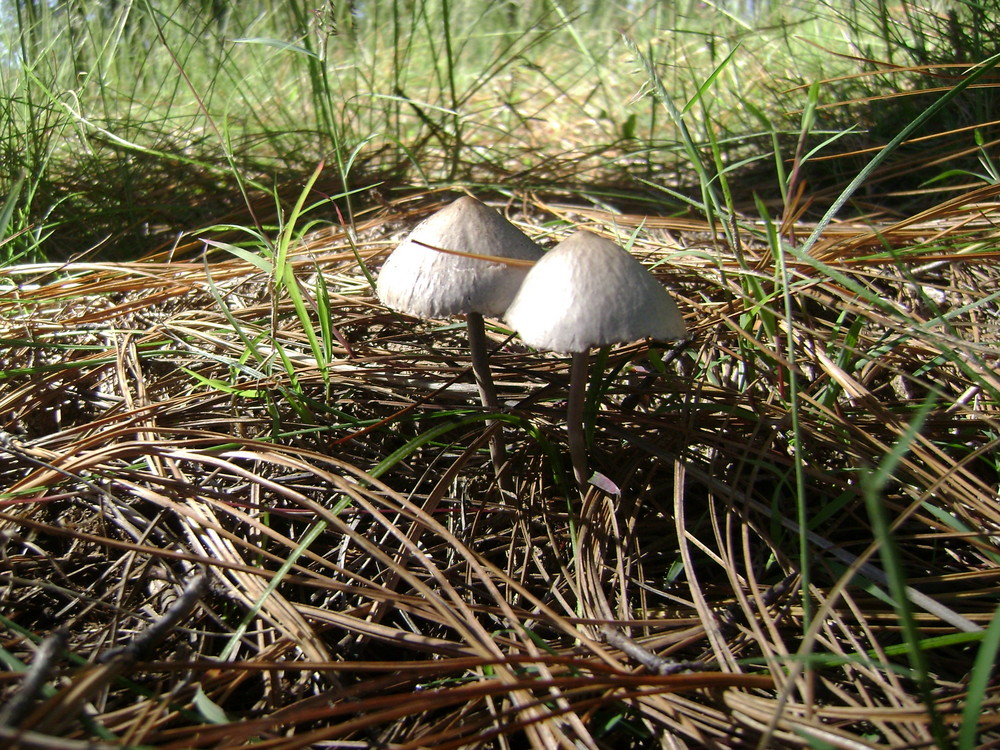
[145, 641]
[46, 658]
[652, 662]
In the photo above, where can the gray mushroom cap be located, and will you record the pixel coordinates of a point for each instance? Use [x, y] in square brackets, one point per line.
[587, 291]
[431, 284]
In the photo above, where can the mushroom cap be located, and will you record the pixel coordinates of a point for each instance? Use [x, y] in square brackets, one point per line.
[431, 284]
[587, 291]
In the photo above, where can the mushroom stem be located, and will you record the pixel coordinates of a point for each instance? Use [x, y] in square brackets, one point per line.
[488, 398]
[574, 417]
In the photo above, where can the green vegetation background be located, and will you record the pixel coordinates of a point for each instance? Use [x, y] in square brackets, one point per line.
[125, 123]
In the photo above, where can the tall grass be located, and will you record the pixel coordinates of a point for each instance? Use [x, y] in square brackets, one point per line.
[141, 120]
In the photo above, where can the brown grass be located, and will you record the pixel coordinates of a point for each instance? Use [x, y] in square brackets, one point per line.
[367, 585]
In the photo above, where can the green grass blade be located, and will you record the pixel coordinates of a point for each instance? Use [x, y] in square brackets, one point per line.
[978, 685]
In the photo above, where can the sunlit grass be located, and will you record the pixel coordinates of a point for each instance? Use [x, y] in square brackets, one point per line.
[140, 120]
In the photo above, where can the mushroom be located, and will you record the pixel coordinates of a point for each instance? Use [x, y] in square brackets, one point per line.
[587, 291]
[419, 279]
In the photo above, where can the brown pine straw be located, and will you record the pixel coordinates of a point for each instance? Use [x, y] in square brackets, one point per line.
[367, 583]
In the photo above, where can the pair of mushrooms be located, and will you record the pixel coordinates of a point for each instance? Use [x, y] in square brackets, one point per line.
[585, 292]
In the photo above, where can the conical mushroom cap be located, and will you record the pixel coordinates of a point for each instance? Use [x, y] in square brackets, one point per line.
[431, 284]
[587, 291]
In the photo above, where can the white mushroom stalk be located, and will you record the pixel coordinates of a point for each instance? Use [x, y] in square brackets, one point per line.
[433, 274]
[587, 291]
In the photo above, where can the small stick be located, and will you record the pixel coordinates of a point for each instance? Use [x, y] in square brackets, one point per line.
[35, 677]
[145, 641]
[114, 662]
[644, 656]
